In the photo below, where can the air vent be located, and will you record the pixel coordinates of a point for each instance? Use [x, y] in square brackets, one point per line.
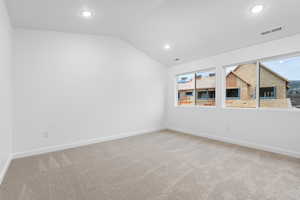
[271, 31]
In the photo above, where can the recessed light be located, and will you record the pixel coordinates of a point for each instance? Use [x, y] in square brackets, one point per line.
[167, 47]
[177, 59]
[86, 14]
[257, 9]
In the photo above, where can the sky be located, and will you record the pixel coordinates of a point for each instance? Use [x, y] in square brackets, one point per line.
[191, 76]
[187, 76]
[289, 68]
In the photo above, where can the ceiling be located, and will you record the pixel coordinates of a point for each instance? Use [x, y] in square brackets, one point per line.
[193, 28]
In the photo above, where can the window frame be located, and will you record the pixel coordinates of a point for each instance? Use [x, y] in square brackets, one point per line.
[257, 61]
[220, 89]
[214, 69]
[223, 86]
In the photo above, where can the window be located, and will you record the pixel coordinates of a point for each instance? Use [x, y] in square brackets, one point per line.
[267, 92]
[277, 81]
[189, 94]
[233, 93]
[196, 88]
[206, 94]
[185, 89]
[262, 84]
[241, 83]
[206, 88]
[280, 83]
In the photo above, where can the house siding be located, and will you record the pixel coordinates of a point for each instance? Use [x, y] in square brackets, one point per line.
[246, 73]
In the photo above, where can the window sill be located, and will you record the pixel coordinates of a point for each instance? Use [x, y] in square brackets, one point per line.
[264, 109]
[196, 106]
[280, 109]
[234, 108]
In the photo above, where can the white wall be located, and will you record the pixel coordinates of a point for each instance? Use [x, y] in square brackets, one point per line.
[79, 87]
[273, 130]
[5, 90]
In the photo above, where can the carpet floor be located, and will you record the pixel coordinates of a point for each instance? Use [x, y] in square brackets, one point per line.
[159, 166]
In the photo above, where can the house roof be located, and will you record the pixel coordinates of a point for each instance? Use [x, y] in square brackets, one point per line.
[238, 77]
[266, 68]
[276, 74]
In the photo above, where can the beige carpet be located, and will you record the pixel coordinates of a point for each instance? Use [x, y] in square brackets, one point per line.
[158, 166]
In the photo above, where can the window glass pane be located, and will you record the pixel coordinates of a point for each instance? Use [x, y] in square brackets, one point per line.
[241, 86]
[267, 92]
[233, 93]
[206, 88]
[185, 88]
[280, 83]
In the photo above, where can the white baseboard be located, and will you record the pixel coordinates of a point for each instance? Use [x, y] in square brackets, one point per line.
[6, 166]
[240, 142]
[80, 143]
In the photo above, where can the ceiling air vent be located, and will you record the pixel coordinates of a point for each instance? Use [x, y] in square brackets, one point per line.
[271, 31]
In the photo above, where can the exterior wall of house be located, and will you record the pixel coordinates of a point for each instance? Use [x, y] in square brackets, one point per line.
[208, 102]
[206, 82]
[233, 82]
[186, 100]
[268, 79]
[275, 103]
[186, 86]
[247, 72]
[205, 102]
[245, 99]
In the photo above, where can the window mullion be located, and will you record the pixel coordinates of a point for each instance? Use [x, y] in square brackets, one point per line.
[195, 95]
[257, 84]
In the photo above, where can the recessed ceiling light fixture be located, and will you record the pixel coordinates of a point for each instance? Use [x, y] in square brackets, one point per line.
[167, 47]
[86, 14]
[257, 9]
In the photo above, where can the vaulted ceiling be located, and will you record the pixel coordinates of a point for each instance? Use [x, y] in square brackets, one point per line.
[193, 28]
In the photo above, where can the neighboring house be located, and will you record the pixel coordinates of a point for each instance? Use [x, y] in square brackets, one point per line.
[185, 88]
[205, 90]
[240, 88]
